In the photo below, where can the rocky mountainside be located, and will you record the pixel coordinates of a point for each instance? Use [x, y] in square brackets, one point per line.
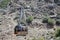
[39, 9]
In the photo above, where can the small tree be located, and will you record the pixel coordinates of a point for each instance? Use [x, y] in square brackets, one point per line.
[34, 38]
[16, 18]
[29, 19]
[4, 3]
[50, 22]
[23, 23]
[45, 20]
[41, 38]
[58, 22]
[57, 32]
[58, 38]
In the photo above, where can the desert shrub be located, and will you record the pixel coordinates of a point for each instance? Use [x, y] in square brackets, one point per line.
[58, 13]
[58, 16]
[57, 32]
[0, 24]
[32, 9]
[4, 3]
[56, 1]
[46, 0]
[45, 20]
[39, 0]
[57, 22]
[41, 38]
[23, 23]
[51, 13]
[4, 13]
[58, 38]
[34, 38]
[16, 18]
[50, 22]
[29, 19]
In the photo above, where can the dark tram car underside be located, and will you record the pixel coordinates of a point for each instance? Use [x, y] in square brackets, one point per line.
[21, 30]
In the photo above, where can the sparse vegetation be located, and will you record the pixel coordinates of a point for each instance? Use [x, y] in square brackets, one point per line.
[58, 38]
[16, 18]
[23, 23]
[50, 22]
[58, 16]
[41, 38]
[38, 19]
[57, 22]
[57, 32]
[4, 3]
[46, 0]
[45, 20]
[34, 38]
[29, 19]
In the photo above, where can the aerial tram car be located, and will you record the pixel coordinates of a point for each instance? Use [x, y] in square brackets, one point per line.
[21, 29]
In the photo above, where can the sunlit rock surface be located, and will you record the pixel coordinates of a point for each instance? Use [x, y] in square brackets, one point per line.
[35, 8]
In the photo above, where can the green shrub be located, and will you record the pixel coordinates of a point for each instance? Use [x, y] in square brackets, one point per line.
[58, 38]
[57, 32]
[16, 18]
[4, 3]
[45, 20]
[57, 22]
[41, 38]
[23, 23]
[34, 38]
[58, 13]
[50, 22]
[29, 19]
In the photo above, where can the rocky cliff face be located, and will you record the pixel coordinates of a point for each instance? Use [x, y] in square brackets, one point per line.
[36, 8]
